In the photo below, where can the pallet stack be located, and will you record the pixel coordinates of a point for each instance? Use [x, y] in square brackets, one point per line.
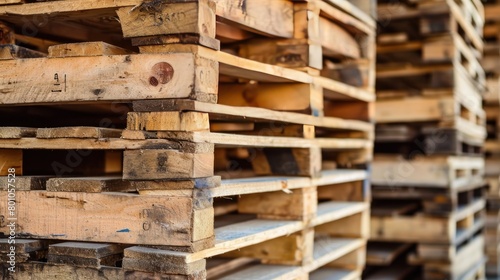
[428, 208]
[491, 64]
[156, 140]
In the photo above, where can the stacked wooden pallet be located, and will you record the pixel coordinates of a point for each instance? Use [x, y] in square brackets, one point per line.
[491, 63]
[157, 155]
[427, 182]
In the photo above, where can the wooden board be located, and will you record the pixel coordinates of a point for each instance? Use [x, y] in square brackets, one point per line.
[439, 172]
[78, 132]
[252, 113]
[129, 219]
[85, 49]
[89, 185]
[133, 77]
[166, 164]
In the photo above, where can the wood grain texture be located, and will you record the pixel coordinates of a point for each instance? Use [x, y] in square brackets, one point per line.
[121, 77]
[166, 164]
[157, 18]
[263, 17]
[89, 185]
[85, 49]
[78, 132]
[128, 218]
[168, 121]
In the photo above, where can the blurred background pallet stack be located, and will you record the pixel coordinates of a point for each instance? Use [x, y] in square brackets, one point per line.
[158, 140]
[491, 64]
[428, 207]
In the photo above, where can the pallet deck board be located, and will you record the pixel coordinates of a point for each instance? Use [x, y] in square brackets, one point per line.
[325, 251]
[253, 113]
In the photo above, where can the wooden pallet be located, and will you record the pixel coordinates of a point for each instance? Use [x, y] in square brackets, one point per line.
[184, 151]
[336, 224]
[459, 255]
[312, 49]
[436, 50]
[453, 105]
[207, 22]
[425, 228]
[468, 262]
[447, 247]
[428, 18]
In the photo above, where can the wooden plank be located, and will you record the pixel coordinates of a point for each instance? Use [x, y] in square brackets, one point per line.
[252, 113]
[425, 109]
[263, 17]
[325, 251]
[299, 204]
[149, 259]
[89, 185]
[239, 235]
[169, 185]
[362, 10]
[134, 77]
[327, 273]
[94, 144]
[328, 250]
[268, 184]
[439, 172]
[412, 229]
[17, 132]
[110, 260]
[153, 18]
[85, 49]
[291, 53]
[229, 140]
[33, 270]
[4, 2]
[166, 164]
[85, 249]
[332, 211]
[23, 245]
[216, 267]
[130, 219]
[25, 183]
[168, 121]
[266, 272]
[17, 52]
[78, 132]
[342, 44]
[293, 249]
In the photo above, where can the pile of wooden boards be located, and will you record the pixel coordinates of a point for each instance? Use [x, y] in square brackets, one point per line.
[491, 63]
[427, 179]
[186, 139]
